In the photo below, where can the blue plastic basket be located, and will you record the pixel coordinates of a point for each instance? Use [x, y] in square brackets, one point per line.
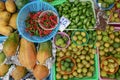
[110, 7]
[31, 7]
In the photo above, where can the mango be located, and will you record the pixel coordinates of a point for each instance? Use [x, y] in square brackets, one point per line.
[44, 51]
[11, 44]
[27, 54]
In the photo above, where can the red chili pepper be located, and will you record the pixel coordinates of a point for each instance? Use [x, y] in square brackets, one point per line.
[51, 18]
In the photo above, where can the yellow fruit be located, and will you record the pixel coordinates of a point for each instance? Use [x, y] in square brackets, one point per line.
[106, 49]
[106, 44]
[5, 30]
[58, 76]
[99, 32]
[111, 49]
[99, 37]
[4, 15]
[74, 38]
[116, 15]
[117, 39]
[118, 49]
[112, 28]
[77, 33]
[10, 6]
[97, 44]
[13, 20]
[112, 36]
[2, 6]
[3, 22]
[111, 41]
[40, 72]
[117, 20]
[102, 53]
[83, 34]
[84, 40]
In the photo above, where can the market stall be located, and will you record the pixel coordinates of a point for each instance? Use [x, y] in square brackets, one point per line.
[59, 40]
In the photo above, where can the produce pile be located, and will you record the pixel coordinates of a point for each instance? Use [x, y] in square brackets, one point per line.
[80, 37]
[89, 45]
[109, 45]
[84, 56]
[30, 58]
[20, 58]
[79, 13]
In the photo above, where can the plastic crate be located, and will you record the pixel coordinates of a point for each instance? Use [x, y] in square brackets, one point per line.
[94, 77]
[23, 13]
[56, 2]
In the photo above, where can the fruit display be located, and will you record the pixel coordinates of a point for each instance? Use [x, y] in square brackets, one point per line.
[8, 17]
[80, 13]
[84, 57]
[108, 43]
[80, 37]
[92, 37]
[110, 65]
[85, 42]
[115, 17]
[61, 40]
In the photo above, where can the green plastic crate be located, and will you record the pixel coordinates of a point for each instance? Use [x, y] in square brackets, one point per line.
[94, 77]
[56, 2]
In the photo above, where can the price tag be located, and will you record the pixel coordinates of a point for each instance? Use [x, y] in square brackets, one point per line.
[64, 22]
[99, 4]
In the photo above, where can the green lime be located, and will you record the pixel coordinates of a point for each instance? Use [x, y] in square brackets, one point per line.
[80, 37]
[68, 60]
[69, 70]
[63, 68]
[66, 64]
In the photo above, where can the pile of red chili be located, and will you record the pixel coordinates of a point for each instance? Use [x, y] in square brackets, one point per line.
[48, 20]
[33, 27]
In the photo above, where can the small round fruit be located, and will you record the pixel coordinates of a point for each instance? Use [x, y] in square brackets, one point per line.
[74, 38]
[83, 34]
[84, 40]
[97, 44]
[106, 44]
[58, 76]
[65, 77]
[89, 74]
